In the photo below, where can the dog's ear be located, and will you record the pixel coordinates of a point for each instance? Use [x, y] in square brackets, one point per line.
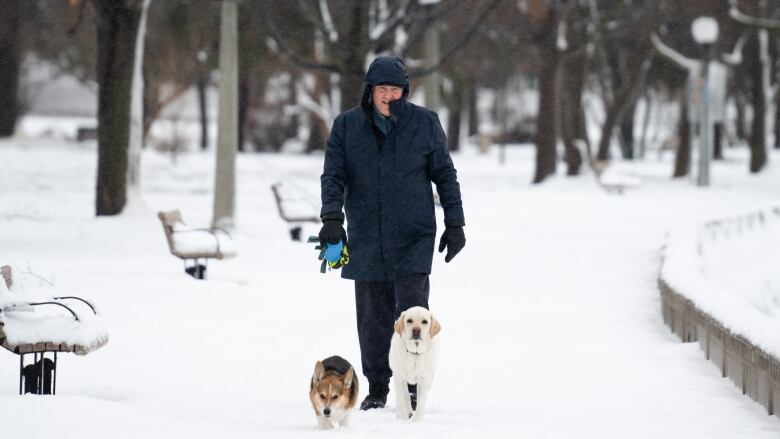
[348, 377]
[435, 326]
[399, 325]
[319, 372]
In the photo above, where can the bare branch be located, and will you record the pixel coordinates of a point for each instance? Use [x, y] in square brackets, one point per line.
[330, 28]
[312, 15]
[393, 19]
[749, 20]
[735, 57]
[75, 26]
[458, 45]
[290, 55]
[676, 57]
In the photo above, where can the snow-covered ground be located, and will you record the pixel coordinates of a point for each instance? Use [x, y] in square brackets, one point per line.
[551, 315]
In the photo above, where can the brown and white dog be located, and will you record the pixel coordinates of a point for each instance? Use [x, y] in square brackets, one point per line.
[334, 392]
[413, 351]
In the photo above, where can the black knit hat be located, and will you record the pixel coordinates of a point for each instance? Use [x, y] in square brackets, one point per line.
[388, 70]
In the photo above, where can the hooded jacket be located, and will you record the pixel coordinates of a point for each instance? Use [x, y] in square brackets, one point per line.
[383, 183]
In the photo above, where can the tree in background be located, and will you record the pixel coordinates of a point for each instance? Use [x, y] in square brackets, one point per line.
[625, 53]
[10, 61]
[227, 131]
[117, 25]
[544, 17]
[342, 37]
[759, 62]
[182, 40]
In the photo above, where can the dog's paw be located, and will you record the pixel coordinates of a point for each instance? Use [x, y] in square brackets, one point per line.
[404, 415]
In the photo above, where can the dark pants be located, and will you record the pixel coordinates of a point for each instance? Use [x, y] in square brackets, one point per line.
[378, 305]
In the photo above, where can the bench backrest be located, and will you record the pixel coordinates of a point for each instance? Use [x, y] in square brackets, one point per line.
[6, 272]
[169, 219]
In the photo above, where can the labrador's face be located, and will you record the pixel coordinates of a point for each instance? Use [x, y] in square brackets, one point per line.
[417, 327]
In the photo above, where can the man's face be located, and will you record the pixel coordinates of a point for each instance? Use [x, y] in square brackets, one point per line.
[383, 95]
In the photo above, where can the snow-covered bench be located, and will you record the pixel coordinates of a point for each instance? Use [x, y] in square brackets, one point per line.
[295, 207]
[613, 180]
[192, 245]
[35, 321]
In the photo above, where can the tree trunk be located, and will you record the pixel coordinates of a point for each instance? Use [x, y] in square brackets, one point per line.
[777, 125]
[627, 133]
[574, 82]
[202, 85]
[624, 98]
[9, 66]
[227, 132]
[758, 133]
[682, 161]
[431, 82]
[357, 44]
[243, 106]
[739, 103]
[472, 103]
[717, 141]
[546, 155]
[318, 129]
[453, 119]
[117, 24]
[318, 134]
[136, 137]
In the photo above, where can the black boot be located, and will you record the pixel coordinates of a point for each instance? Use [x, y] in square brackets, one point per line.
[413, 395]
[376, 398]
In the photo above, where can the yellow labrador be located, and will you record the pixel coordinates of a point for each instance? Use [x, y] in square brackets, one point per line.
[413, 351]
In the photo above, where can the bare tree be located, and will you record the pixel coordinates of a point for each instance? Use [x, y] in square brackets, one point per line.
[10, 59]
[628, 41]
[544, 16]
[225, 175]
[352, 31]
[764, 92]
[117, 24]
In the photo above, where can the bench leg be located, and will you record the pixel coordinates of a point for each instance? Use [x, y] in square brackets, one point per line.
[41, 375]
[54, 378]
[41, 386]
[196, 270]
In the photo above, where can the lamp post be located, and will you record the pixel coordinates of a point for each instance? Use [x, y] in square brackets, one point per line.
[705, 32]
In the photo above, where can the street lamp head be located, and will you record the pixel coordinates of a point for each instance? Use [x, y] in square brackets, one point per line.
[705, 30]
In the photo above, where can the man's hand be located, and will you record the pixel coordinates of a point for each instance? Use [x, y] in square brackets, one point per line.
[453, 239]
[332, 230]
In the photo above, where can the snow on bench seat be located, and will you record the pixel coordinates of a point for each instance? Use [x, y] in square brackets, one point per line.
[59, 324]
[195, 243]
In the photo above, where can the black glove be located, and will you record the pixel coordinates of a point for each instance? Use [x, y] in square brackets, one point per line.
[332, 230]
[454, 240]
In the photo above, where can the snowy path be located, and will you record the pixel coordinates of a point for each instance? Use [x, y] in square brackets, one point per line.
[551, 315]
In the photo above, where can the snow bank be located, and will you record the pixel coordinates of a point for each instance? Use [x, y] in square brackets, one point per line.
[24, 324]
[728, 269]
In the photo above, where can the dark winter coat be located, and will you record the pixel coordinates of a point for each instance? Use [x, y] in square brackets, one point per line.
[384, 182]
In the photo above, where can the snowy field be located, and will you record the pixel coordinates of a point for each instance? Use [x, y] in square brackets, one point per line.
[551, 316]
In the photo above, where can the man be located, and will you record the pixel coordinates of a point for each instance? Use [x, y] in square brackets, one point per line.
[380, 161]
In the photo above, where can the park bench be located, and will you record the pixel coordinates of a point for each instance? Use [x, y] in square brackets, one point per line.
[86, 133]
[34, 321]
[295, 207]
[612, 181]
[195, 246]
